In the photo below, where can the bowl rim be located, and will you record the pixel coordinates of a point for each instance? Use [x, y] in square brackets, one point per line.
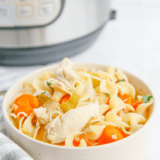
[6, 118]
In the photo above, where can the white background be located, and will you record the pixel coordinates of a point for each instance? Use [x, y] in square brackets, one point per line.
[131, 42]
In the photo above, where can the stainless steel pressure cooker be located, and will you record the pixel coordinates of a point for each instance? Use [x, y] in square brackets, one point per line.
[40, 31]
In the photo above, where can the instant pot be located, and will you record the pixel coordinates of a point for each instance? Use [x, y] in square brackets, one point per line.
[41, 31]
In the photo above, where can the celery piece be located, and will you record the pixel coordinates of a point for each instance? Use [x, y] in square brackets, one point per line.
[71, 103]
[43, 99]
[65, 106]
[95, 82]
[73, 100]
[97, 89]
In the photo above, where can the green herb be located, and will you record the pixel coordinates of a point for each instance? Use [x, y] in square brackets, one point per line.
[28, 134]
[13, 111]
[75, 85]
[34, 124]
[146, 98]
[121, 80]
[44, 92]
[48, 83]
[106, 94]
[118, 96]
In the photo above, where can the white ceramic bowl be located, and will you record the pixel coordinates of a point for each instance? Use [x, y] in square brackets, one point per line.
[134, 147]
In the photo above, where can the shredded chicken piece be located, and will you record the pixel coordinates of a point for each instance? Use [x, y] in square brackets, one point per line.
[73, 120]
[60, 85]
[65, 73]
[41, 115]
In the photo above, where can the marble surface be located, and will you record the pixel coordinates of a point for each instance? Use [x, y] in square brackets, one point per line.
[130, 42]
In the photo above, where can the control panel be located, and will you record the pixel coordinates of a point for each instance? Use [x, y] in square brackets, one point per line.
[28, 13]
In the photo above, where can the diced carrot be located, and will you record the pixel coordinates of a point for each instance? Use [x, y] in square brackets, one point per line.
[25, 103]
[21, 115]
[127, 99]
[108, 101]
[62, 143]
[107, 112]
[108, 135]
[136, 105]
[65, 98]
[119, 94]
[76, 143]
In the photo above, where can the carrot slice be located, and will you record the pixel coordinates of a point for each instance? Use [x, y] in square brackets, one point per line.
[25, 103]
[110, 134]
[65, 98]
[136, 105]
[34, 102]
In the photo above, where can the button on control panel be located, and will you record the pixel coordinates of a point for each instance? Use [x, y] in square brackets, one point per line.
[28, 13]
[5, 11]
[45, 1]
[46, 9]
[24, 11]
[23, 1]
[4, 1]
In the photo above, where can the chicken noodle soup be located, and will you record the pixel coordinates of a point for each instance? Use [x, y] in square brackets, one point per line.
[79, 108]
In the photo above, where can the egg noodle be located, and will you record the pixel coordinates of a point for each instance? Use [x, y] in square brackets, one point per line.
[79, 108]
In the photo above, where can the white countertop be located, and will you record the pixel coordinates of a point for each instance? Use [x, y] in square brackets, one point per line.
[131, 42]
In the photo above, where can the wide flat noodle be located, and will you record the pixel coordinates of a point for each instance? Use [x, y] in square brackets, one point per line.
[107, 85]
[103, 108]
[120, 75]
[28, 128]
[93, 132]
[80, 88]
[112, 116]
[107, 75]
[27, 84]
[46, 75]
[135, 121]
[27, 90]
[40, 85]
[127, 88]
[142, 107]
[115, 101]
[111, 71]
[88, 91]
[102, 99]
[71, 137]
